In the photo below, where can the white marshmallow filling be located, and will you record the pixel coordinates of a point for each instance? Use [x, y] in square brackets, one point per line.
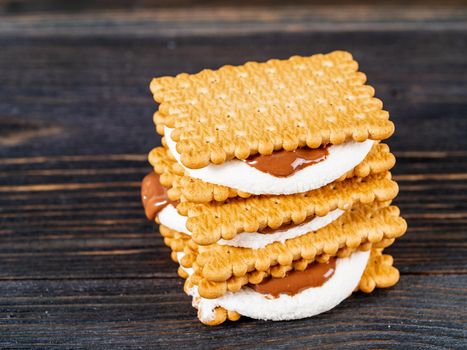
[307, 303]
[243, 177]
[172, 219]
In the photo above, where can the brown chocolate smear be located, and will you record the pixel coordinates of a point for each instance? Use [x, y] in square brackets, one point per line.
[153, 195]
[285, 163]
[296, 281]
[287, 226]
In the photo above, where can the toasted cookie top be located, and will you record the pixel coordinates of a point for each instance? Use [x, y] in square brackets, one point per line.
[234, 112]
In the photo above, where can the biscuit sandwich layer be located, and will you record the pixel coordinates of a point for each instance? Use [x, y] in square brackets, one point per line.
[240, 176]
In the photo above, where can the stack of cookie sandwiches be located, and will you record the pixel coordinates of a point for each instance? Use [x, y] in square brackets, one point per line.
[272, 187]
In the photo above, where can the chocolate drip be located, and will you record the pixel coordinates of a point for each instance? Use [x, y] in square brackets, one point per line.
[154, 195]
[296, 281]
[285, 163]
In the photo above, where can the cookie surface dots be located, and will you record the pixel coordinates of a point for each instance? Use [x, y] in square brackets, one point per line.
[226, 113]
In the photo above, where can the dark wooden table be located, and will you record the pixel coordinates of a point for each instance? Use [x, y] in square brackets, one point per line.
[80, 267]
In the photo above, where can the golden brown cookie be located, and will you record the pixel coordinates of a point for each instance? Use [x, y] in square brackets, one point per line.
[209, 222]
[379, 272]
[234, 112]
[379, 268]
[175, 240]
[218, 268]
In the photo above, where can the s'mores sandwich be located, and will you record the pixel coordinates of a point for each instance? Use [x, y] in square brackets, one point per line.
[272, 187]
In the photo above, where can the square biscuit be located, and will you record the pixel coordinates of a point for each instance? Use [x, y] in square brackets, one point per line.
[209, 222]
[234, 112]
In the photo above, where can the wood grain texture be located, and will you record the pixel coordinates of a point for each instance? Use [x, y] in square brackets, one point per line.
[80, 267]
[235, 20]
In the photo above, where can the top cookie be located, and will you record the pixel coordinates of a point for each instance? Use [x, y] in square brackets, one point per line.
[262, 107]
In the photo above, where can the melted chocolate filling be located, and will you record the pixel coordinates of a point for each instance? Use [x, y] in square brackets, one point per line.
[285, 163]
[154, 195]
[296, 281]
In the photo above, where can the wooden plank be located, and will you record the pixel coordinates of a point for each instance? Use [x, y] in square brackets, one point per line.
[61, 237]
[153, 313]
[81, 267]
[87, 222]
[226, 20]
[15, 7]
